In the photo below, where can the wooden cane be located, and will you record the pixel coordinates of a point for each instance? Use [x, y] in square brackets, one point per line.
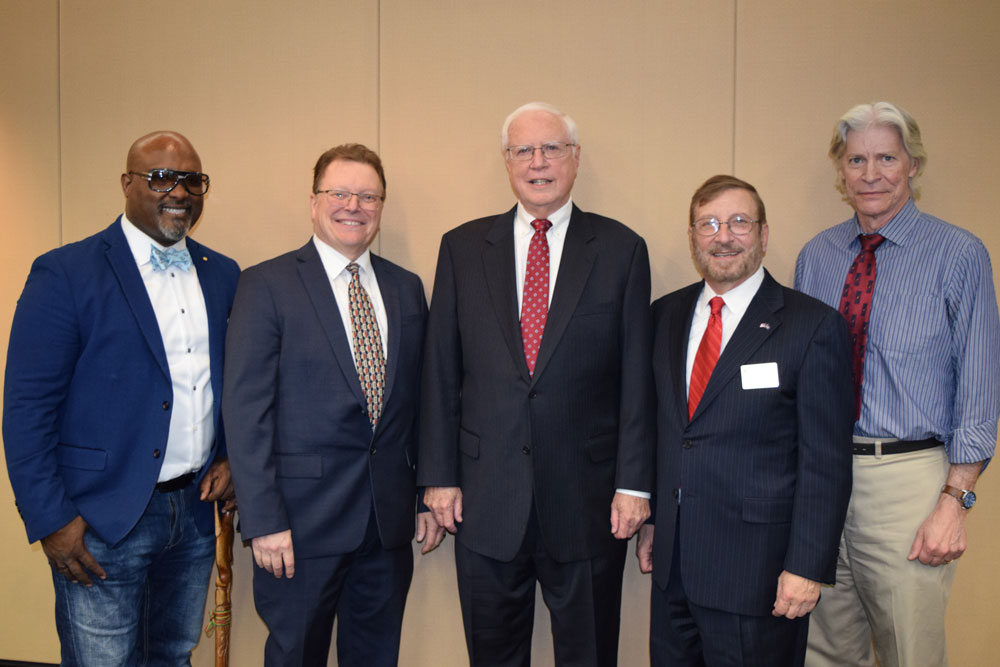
[220, 620]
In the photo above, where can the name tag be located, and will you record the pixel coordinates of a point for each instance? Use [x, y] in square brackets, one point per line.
[760, 376]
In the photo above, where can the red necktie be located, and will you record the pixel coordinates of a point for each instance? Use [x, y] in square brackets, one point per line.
[707, 355]
[535, 300]
[856, 307]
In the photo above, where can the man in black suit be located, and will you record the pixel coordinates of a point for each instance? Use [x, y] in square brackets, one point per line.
[753, 394]
[322, 390]
[536, 426]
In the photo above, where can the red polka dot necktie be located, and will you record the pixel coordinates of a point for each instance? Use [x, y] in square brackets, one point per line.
[707, 355]
[368, 357]
[535, 300]
[856, 307]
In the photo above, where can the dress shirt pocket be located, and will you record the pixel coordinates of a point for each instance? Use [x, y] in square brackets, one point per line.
[299, 465]
[81, 458]
[602, 447]
[767, 510]
[468, 443]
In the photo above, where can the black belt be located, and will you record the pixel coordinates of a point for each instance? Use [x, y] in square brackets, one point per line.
[895, 447]
[176, 484]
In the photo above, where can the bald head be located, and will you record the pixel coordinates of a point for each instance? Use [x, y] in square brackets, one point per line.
[166, 217]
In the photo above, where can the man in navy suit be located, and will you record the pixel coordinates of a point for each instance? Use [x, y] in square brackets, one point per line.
[753, 465]
[536, 430]
[111, 416]
[322, 393]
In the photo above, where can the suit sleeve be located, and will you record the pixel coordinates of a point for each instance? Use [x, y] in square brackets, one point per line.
[824, 403]
[636, 438]
[45, 343]
[249, 405]
[441, 386]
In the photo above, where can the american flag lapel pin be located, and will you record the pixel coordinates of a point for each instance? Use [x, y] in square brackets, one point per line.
[765, 325]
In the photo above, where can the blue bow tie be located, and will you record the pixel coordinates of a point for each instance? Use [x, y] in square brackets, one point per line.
[162, 259]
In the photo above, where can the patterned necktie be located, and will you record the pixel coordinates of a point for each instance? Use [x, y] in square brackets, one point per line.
[856, 307]
[707, 355]
[368, 357]
[535, 300]
[162, 259]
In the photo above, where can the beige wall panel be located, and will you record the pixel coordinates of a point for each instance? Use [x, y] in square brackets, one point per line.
[799, 67]
[261, 89]
[29, 190]
[654, 106]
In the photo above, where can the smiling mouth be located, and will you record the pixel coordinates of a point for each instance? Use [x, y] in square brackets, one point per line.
[540, 181]
[351, 223]
[174, 210]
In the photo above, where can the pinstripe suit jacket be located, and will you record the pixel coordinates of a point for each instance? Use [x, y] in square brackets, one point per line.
[765, 474]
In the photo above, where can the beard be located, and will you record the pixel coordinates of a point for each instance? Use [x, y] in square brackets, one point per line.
[747, 261]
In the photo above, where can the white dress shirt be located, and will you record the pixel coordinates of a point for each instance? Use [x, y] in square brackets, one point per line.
[737, 300]
[335, 265]
[179, 306]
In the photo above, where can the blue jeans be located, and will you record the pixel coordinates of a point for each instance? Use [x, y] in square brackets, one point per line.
[149, 609]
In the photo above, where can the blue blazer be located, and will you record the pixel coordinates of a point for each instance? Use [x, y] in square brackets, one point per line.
[87, 396]
[302, 451]
[764, 475]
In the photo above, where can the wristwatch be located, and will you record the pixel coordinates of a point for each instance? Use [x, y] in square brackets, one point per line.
[965, 498]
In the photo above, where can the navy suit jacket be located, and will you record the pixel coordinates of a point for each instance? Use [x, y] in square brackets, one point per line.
[87, 395]
[764, 474]
[302, 450]
[564, 438]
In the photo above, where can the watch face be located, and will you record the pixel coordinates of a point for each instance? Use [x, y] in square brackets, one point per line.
[968, 500]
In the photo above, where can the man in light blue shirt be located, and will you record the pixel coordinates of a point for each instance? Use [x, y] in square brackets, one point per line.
[927, 360]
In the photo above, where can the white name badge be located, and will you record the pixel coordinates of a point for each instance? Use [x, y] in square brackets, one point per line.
[760, 376]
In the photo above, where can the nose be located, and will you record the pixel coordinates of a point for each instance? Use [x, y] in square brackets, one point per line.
[353, 202]
[724, 234]
[537, 159]
[870, 172]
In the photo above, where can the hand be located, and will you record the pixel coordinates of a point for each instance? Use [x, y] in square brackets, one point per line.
[445, 502]
[428, 528]
[627, 514]
[274, 553]
[797, 596]
[217, 484]
[941, 537]
[68, 554]
[644, 548]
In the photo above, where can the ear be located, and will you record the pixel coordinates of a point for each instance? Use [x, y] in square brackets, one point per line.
[914, 167]
[126, 180]
[764, 230]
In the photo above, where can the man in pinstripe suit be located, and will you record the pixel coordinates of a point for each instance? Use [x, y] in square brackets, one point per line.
[753, 469]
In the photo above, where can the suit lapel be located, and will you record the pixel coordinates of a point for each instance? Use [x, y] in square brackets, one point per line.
[317, 286]
[123, 265]
[498, 263]
[678, 347]
[759, 322]
[574, 268]
[390, 299]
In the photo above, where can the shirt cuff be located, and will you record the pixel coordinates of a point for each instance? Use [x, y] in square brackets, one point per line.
[637, 494]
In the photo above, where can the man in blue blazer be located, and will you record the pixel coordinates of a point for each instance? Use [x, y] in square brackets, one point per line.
[753, 457]
[111, 416]
[322, 392]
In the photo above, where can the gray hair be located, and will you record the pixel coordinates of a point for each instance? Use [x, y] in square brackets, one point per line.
[539, 106]
[879, 113]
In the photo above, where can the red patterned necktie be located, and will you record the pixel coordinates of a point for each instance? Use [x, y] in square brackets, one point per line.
[368, 357]
[856, 307]
[535, 300]
[707, 355]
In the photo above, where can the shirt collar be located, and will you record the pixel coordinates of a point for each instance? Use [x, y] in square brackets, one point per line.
[900, 230]
[336, 263]
[737, 299]
[559, 220]
[139, 242]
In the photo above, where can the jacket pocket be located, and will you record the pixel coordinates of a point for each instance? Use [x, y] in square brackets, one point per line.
[299, 465]
[468, 443]
[82, 458]
[602, 447]
[767, 510]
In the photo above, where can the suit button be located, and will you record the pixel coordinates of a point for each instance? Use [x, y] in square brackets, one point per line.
[156, 453]
[372, 450]
[687, 444]
[166, 405]
[525, 450]
[532, 394]
[674, 493]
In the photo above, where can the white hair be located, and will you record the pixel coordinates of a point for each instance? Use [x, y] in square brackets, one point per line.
[539, 106]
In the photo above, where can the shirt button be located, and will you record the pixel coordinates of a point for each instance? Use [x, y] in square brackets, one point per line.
[182, 311]
[166, 405]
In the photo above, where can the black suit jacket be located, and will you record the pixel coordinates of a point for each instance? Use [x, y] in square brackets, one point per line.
[764, 474]
[301, 447]
[565, 438]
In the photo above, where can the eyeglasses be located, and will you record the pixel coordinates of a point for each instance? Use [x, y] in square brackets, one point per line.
[739, 225]
[165, 180]
[366, 200]
[550, 151]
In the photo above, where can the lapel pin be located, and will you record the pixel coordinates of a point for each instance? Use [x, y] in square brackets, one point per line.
[765, 325]
[204, 259]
